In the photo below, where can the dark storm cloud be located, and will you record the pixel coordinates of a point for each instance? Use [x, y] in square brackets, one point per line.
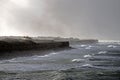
[68, 18]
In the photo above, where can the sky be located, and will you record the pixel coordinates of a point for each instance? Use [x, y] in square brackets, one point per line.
[84, 19]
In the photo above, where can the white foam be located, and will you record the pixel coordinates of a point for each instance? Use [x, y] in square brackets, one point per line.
[8, 61]
[12, 60]
[53, 53]
[102, 52]
[78, 60]
[87, 65]
[43, 56]
[47, 55]
[111, 46]
[83, 45]
[87, 56]
[89, 47]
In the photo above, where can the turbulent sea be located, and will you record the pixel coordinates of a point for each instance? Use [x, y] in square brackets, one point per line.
[99, 61]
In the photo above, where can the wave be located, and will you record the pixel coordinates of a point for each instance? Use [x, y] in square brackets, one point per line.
[87, 56]
[87, 65]
[102, 52]
[111, 46]
[78, 60]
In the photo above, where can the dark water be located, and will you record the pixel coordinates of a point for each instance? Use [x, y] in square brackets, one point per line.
[84, 62]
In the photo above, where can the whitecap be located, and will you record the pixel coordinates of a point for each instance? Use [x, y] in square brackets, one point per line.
[87, 65]
[87, 56]
[83, 45]
[8, 61]
[43, 56]
[53, 53]
[89, 47]
[47, 55]
[102, 52]
[78, 60]
[12, 60]
[111, 46]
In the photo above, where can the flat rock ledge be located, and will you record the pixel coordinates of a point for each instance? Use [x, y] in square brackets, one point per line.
[9, 44]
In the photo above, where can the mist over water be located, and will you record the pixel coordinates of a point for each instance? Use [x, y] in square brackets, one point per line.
[78, 18]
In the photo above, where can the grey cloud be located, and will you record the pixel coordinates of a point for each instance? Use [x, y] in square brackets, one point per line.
[35, 20]
[90, 18]
[68, 18]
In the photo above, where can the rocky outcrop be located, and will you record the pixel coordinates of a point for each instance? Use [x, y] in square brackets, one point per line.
[26, 43]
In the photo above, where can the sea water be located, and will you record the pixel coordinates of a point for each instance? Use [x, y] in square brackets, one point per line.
[100, 56]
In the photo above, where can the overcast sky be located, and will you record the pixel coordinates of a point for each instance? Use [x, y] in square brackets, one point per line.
[66, 18]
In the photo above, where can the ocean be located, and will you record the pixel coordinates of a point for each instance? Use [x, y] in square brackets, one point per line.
[99, 61]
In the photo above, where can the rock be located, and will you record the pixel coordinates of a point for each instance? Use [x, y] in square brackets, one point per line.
[26, 43]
